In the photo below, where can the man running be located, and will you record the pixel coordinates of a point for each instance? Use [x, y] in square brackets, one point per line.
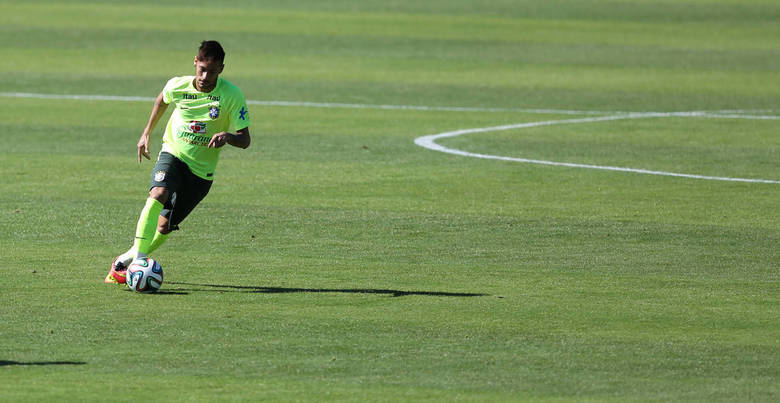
[207, 106]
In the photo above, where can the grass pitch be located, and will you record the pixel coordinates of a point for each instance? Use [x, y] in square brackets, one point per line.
[336, 260]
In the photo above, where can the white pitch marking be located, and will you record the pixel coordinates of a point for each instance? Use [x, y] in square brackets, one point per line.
[315, 104]
[429, 142]
[737, 116]
[424, 108]
[86, 97]
[74, 97]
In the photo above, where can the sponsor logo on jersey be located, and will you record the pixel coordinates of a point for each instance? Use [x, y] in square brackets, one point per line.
[194, 138]
[197, 127]
[243, 113]
[213, 112]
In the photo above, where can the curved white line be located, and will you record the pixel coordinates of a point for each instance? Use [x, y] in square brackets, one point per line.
[429, 142]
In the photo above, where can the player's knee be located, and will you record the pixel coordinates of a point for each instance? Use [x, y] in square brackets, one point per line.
[159, 193]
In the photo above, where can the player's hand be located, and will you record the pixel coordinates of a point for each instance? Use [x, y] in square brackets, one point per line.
[219, 140]
[143, 147]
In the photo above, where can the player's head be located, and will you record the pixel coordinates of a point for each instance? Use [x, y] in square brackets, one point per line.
[208, 65]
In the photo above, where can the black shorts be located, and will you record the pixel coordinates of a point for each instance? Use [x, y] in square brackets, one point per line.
[185, 189]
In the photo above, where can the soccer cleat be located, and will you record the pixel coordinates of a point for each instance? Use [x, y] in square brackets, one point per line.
[117, 274]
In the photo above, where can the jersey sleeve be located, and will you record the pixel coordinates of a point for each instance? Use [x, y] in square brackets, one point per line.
[168, 90]
[239, 115]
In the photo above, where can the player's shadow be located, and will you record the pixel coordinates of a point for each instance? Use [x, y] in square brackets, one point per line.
[285, 290]
[4, 363]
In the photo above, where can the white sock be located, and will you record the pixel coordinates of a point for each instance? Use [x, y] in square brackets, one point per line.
[127, 257]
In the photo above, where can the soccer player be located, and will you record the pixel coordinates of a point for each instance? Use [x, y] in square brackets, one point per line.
[207, 106]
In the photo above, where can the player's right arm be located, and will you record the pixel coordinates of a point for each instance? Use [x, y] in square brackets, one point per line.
[157, 111]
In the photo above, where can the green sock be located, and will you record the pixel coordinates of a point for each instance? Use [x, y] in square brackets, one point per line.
[159, 239]
[147, 224]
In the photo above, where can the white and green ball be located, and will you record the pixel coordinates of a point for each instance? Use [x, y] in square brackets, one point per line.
[144, 275]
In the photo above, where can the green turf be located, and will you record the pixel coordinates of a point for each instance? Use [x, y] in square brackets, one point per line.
[336, 260]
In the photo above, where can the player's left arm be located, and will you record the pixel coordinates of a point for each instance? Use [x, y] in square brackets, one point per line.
[240, 139]
[239, 117]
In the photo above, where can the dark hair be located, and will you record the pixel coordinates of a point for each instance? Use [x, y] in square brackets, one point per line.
[211, 50]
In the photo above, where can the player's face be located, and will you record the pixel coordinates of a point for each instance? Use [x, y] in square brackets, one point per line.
[206, 74]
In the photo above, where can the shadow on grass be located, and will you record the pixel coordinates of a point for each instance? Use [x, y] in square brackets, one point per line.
[4, 363]
[163, 292]
[282, 290]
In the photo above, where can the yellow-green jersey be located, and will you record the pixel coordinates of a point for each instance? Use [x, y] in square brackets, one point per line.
[197, 117]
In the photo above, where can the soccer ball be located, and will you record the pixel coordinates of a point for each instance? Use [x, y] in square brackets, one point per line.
[144, 275]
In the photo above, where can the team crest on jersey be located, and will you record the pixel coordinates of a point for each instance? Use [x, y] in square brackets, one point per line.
[197, 127]
[159, 176]
[213, 112]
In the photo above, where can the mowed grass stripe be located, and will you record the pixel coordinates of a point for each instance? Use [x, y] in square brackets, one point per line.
[304, 56]
[731, 33]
